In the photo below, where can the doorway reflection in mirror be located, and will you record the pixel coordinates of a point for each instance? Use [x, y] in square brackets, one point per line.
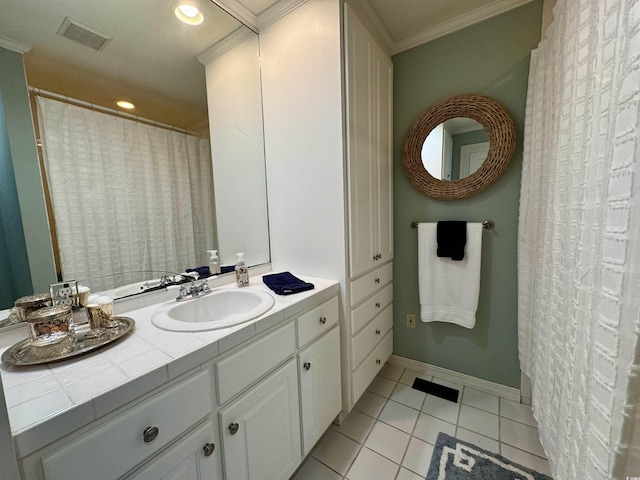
[455, 149]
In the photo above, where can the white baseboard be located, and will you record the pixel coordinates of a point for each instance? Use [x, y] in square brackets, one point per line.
[503, 391]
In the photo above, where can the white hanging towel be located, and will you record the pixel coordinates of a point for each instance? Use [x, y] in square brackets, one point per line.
[448, 288]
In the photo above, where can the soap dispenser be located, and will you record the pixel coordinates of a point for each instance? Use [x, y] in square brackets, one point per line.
[214, 262]
[242, 272]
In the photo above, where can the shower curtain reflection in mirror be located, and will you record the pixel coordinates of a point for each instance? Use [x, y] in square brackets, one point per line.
[127, 197]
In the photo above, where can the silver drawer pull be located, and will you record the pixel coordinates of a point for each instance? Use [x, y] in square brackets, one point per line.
[323, 320]
[378, 361]
[150, 434]
[377, 280]
[377, 332]
[208, 449]
[233, 428]
[307, 365]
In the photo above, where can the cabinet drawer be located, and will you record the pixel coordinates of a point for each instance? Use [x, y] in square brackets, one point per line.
[370, 335]
[94, 455]
[369, 283]
[317, 321]
[365, 374]
[243, 367]
[361, 315]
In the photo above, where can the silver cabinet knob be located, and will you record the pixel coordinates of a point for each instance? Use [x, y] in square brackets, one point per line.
[208, 449]
[150, 434]
[323, 320]
[233, 428]
[307, 365]
[377, 332]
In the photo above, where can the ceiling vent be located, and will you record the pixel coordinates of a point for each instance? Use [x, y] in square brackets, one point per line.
[83, 34]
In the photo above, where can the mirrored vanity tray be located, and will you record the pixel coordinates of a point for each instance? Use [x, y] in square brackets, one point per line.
[25, 353]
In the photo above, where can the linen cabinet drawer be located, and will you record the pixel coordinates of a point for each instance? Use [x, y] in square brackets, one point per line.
[370, 335]
[316, 321]
[361, 315]
[365, 285]
[365, 374]
[116, 447]
[246, 365]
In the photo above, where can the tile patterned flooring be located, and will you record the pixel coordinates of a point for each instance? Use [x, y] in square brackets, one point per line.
[390, 433]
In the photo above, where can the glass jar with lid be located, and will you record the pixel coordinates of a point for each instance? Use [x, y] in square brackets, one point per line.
[26, 305]
[50, 322]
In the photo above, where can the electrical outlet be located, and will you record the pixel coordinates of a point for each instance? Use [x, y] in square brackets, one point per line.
[62, 293]
[411, 320]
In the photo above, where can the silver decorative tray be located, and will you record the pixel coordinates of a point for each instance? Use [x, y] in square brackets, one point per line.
[12, 319]
[23, 353]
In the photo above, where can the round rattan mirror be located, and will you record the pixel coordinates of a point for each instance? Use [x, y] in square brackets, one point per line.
[499, 127]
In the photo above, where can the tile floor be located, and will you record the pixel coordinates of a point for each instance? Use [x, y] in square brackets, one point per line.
[390, 433]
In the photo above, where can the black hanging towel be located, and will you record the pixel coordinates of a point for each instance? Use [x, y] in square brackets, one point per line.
[452, 238]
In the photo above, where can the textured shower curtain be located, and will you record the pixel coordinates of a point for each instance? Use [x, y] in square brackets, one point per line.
[579, 240]
[131, 201]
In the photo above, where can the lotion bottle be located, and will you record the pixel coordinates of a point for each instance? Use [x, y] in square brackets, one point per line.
[214, 262]
[242, 272]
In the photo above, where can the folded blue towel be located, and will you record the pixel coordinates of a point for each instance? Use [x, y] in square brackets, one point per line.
[285, 284]
[201, 271]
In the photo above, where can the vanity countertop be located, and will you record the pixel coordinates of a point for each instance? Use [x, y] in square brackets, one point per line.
[46, 402]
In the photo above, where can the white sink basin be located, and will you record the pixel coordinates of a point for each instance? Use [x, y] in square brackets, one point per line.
[220, 309]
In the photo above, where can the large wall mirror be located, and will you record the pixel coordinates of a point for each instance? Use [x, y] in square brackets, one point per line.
[458, 147]
[204, 79]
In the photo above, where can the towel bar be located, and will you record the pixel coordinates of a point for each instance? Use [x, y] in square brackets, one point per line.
[487, 224]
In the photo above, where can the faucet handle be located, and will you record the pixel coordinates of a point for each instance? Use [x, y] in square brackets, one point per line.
[182, 295]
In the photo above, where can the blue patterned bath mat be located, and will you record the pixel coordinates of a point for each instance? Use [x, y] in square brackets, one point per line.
[454, 459]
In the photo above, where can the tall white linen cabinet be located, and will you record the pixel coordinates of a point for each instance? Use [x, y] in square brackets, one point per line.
[327, 93]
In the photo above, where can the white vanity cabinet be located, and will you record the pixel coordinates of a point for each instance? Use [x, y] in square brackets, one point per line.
[261, 429]
[270, 427]
[138, 434]
[189, 459]
[319, 371]
[250, 413]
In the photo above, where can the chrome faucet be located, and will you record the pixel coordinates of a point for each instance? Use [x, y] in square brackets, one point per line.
[194, 291]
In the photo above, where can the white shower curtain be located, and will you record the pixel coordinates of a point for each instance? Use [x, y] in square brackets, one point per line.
[130, 200]
[579, 240]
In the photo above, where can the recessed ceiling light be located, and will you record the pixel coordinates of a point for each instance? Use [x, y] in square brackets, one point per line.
[127, 105]
[188, 14]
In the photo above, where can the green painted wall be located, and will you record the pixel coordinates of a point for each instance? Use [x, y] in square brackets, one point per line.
[490, 58]
[14, 264]
[28, 182]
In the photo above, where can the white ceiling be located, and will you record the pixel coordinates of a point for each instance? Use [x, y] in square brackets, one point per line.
[152, 52]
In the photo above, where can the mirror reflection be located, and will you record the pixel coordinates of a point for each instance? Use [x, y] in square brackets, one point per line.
[455, 149]
[162, 72]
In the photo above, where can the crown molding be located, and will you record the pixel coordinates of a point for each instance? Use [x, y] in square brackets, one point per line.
[372, 20]
[458, 23]
[240, 12]
[276, 11]
[13, 45]
[218, 49]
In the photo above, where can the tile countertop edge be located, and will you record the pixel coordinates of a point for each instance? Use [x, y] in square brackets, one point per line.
[39, 433]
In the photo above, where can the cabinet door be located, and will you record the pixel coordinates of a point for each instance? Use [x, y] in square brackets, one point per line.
[196, 457]
[320, 387]
[361, 161]
[261, 430]
[383, 100]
